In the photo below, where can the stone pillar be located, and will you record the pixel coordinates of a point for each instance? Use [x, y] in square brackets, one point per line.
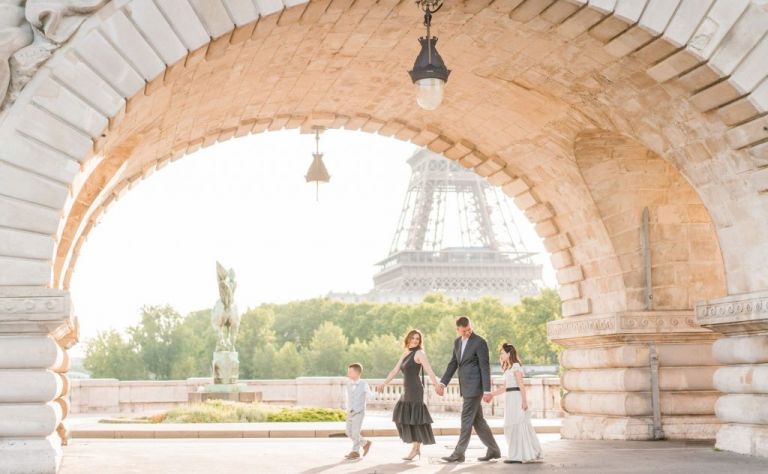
[608, 375]
[743, 320]
[36, 326]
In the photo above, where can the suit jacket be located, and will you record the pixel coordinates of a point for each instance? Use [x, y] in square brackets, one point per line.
[474, 367]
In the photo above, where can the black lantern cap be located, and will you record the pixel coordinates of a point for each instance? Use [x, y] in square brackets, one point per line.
[429, 64]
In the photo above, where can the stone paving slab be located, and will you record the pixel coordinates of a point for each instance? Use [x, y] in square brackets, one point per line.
[315, 456]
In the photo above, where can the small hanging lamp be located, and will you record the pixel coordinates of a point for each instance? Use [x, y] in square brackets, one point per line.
[317, 171]
[429, 72]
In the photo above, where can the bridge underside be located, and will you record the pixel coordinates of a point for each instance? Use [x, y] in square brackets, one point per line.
[585, 112]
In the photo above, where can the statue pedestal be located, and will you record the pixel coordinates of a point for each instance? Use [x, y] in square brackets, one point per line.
[226, 368]
[236, 392]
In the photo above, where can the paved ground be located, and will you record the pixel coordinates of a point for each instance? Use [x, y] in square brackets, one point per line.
[315, 456]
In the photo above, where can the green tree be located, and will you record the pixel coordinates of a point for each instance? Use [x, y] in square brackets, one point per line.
[428, 314]
[297, 321]
[199, 341]
[360, 352]
[158, 340]
[263, 362]
[288, 363]
[327, 352]
[385, 350]
[312, 337]
[492, 320]
[256, 343]
[531, 317]
[108, 355]
[439, 344]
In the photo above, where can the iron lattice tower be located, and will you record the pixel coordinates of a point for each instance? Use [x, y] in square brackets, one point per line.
[468, 254]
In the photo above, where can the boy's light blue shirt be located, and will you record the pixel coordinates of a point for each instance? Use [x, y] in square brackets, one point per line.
[357, 395]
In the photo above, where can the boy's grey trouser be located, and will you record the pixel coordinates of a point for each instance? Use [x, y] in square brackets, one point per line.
[354, 423]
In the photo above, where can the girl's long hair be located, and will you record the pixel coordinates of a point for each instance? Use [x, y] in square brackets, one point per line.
[509, 349]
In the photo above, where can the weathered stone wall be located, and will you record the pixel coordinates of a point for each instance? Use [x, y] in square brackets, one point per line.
[623, 177]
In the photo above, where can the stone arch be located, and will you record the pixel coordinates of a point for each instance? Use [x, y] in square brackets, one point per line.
[624, 177]
[149, 46]
[685, 79]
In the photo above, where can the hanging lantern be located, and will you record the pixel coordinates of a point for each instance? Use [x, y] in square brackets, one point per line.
[429, 73]
[317, 172]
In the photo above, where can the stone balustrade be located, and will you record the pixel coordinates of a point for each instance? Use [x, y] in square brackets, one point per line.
[114, 396]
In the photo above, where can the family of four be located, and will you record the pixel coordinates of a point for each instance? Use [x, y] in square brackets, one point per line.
[471, 360]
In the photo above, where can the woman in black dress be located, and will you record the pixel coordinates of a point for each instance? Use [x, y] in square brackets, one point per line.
[414, 424]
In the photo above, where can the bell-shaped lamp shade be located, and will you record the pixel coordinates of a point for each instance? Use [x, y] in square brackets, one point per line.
[317, 171]
[429, 74]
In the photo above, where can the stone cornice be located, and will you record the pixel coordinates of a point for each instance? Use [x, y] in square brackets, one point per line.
[735, 315]
[32, 310]
[628, 326]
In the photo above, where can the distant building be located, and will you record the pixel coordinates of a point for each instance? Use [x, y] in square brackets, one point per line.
[490, 260]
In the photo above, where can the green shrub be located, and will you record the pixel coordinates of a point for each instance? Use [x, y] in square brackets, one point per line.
[220, 411]
[308, 414]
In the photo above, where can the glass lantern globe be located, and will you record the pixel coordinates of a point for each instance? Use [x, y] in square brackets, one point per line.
[429, 92]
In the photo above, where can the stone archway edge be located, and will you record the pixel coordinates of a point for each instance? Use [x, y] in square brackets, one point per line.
[75, 117]
[62, 114]
[465, 152]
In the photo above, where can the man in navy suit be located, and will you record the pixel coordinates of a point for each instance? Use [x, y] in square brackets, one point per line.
[470, 358]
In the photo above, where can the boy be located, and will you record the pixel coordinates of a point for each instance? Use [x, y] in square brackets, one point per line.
[357, 393]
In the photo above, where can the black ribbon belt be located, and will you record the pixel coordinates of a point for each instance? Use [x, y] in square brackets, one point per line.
[513, 389]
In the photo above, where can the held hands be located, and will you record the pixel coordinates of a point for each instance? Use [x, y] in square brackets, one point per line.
[440, 390]
[380, 388]
[487, 398]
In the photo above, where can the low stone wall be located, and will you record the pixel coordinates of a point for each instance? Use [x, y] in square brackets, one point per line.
[114, 396]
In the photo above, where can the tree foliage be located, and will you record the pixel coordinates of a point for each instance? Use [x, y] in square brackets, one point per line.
[319, 337]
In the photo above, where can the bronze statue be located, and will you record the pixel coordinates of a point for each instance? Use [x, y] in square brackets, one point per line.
[224, 316]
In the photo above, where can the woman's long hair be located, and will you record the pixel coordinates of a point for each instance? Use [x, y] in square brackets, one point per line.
[509, 349]
[408, 338]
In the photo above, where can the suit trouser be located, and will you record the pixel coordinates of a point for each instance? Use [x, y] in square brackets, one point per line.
[472, 417]
[354, 425]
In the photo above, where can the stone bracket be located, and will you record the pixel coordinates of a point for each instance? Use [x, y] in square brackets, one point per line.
[735, 315]
[34, 310]
[628, 326]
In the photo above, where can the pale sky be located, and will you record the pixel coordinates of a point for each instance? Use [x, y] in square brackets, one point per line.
[245, 203]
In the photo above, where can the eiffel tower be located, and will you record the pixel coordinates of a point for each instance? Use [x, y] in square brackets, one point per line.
[456, 235]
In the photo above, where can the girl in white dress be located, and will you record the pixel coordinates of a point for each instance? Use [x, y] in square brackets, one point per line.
[522, 443]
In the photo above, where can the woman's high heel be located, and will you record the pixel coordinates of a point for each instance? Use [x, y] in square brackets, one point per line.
[413, 455]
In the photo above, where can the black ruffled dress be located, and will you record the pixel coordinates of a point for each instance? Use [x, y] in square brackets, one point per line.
[414, 424]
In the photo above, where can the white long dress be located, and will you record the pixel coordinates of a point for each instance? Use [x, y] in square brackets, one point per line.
[522, 443]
